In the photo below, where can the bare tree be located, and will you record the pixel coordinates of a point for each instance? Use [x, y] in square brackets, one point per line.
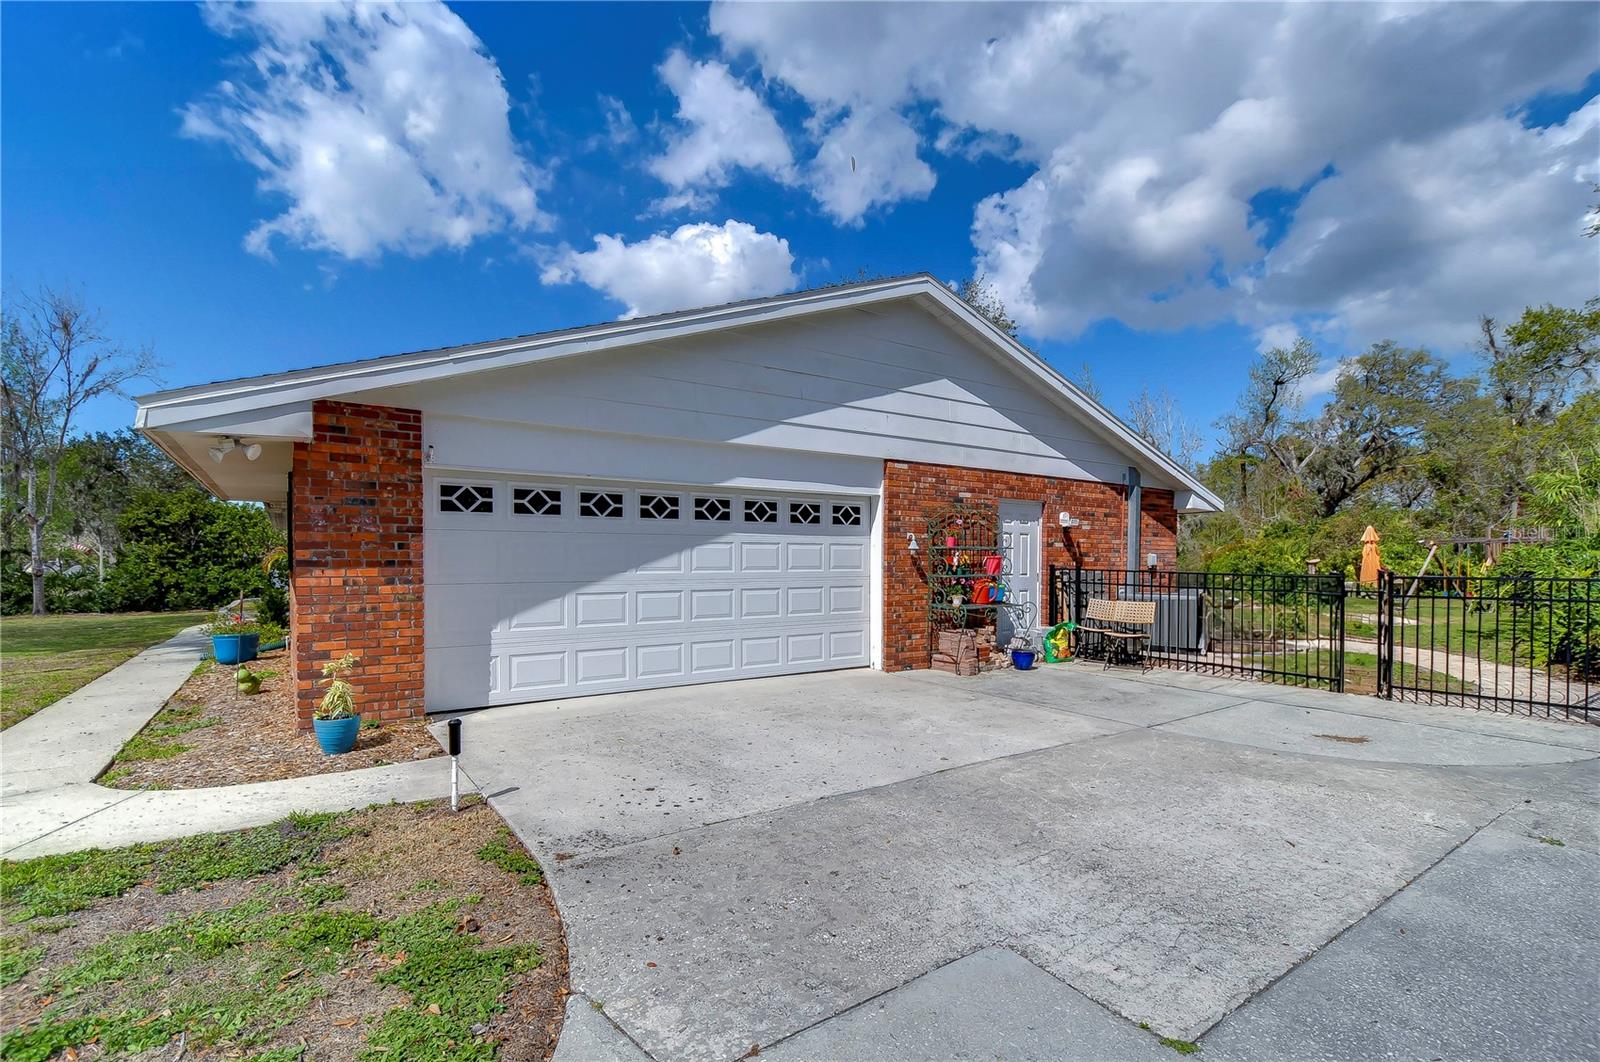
[982, 296]
[1084, 381]
[56, 359]
[1156, 416]
[1265, 419]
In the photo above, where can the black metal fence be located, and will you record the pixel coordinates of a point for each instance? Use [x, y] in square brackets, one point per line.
[1288, 629]
[1512, 643]
[1519, 644]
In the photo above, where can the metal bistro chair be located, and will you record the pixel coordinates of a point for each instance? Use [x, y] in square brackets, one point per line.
[1112, 622]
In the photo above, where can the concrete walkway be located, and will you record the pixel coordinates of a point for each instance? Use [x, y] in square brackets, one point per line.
[50, 803]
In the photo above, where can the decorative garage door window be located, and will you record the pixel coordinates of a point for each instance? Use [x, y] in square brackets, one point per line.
[602, 503]
[760, 511]
[465, 498]
[658, 506]
[717, 509]
[536, 501]
[805, 513]
[847, 516]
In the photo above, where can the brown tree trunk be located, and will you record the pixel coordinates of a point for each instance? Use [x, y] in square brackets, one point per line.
[36, 564]
[35, 550]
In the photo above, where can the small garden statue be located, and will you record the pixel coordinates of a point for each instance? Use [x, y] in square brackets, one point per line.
[248, 681]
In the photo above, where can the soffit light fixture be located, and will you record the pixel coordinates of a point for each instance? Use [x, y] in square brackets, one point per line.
[226, 446]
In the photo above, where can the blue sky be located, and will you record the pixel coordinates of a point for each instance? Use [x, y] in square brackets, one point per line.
[1157, 192]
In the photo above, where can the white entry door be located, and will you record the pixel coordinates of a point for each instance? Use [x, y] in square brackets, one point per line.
[544, 588]
[1020, 526]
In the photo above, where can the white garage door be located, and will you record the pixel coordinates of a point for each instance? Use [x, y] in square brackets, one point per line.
[541, 588]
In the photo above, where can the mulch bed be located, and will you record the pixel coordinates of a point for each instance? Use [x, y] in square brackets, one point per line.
[253, 738]
[389, 865]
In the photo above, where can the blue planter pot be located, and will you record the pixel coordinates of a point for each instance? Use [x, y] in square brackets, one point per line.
[1022, 659]
[235, 648]
[337, 736]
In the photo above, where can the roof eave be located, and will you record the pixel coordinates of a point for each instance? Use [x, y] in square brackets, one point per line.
[207, 407]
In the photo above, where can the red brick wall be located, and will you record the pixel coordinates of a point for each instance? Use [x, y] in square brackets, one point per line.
[1158, 528]
[914, 493]
[356, 549]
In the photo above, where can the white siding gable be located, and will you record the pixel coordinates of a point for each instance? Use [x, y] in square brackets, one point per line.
[887, 382]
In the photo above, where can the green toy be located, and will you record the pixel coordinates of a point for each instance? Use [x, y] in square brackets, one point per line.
[248, 681]
[1058, 643]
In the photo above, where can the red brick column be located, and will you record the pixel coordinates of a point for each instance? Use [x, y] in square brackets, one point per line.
[914, 493]
[1158, 528]
[355, 511]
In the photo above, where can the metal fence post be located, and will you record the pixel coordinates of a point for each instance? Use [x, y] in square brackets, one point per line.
[1338, 625]
[1386, 635]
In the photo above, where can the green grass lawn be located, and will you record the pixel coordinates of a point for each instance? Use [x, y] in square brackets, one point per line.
[1361, 676]
[1448, 625]
[44, 658]
[396, 933]
[1360, 671]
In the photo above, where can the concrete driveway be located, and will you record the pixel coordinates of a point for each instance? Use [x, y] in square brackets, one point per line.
[1058, 864]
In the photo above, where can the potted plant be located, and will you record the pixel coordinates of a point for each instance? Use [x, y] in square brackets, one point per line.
[1023, 653]
[335, 720]
[234, 639]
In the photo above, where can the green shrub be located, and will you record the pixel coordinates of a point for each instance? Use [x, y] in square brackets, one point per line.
[1561, 619]
[185, 549]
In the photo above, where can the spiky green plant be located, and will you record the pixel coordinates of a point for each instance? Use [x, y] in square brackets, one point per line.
[339, 702]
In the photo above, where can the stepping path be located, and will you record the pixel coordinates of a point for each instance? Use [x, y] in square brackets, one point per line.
[49, 801]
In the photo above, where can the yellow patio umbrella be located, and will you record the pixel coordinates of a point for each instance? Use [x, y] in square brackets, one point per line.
[1370, 561]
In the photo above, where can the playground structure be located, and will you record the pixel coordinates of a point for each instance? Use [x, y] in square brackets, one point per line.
[1455, 570]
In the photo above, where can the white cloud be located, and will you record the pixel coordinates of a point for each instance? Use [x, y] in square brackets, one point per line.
[1151, 128]
[1323, 380]
[689, 201]
[620, 127]
[724, 126]
[1417, 239]
[867, 159]
[1279, 334]
[384, 125]
[695, 265]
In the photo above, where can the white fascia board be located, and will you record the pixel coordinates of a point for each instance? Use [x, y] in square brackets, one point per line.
[278, 422]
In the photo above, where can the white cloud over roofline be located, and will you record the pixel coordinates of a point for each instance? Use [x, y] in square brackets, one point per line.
[694, 265]
[1152, 128]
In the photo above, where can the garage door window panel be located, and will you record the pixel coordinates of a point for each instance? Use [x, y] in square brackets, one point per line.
[600, 504]
[714, 510]
[536, 501]
[474, 498]
[659, 506]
